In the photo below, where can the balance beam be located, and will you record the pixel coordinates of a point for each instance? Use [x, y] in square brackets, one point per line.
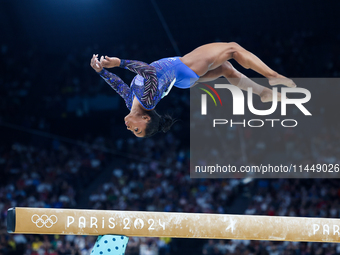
[162, 224]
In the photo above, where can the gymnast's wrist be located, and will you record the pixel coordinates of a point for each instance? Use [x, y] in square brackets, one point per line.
[122, 62]
[101, 71]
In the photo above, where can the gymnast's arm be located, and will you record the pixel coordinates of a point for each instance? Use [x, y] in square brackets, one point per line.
[146, 71]
[135, 66]
[113, 80]
[116, 83]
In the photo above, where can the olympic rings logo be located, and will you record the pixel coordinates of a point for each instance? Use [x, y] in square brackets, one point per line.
[44, 220]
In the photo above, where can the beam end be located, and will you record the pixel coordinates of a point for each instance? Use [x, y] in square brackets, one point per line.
[11, 220]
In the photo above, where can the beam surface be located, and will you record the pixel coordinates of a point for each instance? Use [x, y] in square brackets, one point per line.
[161, 224]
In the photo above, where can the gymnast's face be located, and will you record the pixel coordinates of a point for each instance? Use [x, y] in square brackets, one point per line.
[137, 124]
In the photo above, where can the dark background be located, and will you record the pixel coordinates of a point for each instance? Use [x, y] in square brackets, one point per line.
[49, 43]
[49, 95]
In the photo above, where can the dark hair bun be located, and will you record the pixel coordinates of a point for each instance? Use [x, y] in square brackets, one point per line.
[158, 123]
[165, 123]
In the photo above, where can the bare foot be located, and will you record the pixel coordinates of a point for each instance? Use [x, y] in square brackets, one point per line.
[267, 96]
[280, 79]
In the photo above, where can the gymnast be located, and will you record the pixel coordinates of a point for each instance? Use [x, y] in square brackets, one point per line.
[154, 81]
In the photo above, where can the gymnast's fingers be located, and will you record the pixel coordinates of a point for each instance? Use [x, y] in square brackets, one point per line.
[98, 64]
[92, 60]
[103, 62]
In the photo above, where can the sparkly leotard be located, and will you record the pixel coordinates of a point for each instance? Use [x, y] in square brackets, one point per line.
[152, 82]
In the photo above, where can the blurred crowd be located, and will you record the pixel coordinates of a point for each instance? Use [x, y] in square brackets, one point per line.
[48, 176]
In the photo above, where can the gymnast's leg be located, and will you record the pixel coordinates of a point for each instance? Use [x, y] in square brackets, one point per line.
[210, 56]
[238, 79]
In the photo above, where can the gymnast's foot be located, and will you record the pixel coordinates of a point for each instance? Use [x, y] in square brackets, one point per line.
[280, 79]
[267, 96]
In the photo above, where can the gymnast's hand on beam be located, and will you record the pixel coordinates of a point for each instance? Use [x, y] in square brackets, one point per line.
[95, 64]
[108, 62]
